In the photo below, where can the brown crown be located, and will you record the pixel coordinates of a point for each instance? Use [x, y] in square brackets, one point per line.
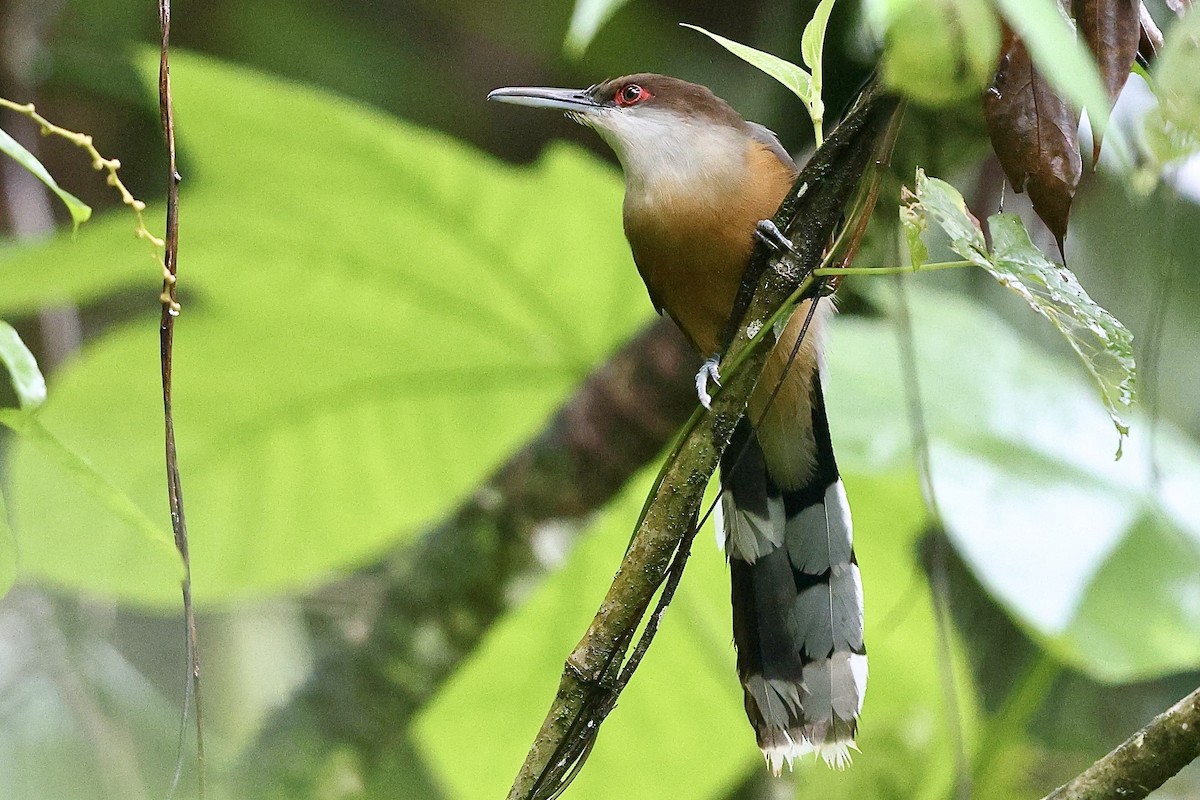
[674, 94]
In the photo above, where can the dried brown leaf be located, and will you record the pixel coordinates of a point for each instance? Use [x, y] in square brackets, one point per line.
[1033, 132]
[1112, 29]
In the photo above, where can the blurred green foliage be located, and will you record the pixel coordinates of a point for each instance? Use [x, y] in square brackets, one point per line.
[8, 551]
[399, 361]
[1024, 475]
[938, 53]
[1172, 128]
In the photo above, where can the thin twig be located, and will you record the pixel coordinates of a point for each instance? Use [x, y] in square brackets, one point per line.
[170, 310]
[1028, 691]
[937, 265]
[1151, 43]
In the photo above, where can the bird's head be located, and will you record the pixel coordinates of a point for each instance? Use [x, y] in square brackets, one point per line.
[659, 127]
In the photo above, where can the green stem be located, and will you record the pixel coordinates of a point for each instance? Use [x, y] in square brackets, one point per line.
[816, 108]
[824, 271]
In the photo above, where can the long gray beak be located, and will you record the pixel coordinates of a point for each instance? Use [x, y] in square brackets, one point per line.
[576, 100]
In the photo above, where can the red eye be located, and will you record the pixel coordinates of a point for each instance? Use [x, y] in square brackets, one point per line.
[631, 94]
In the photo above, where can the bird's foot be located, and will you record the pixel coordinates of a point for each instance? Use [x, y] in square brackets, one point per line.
[769, 234]
[708, 372]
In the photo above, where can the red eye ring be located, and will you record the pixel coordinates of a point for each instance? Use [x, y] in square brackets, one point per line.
[631, 94]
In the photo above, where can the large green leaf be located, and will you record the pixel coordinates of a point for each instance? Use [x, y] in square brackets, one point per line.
[137, 536]
[373, 317]
[1096, 558]
[680, 730]
[1103, 344]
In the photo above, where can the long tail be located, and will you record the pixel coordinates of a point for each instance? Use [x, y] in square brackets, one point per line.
[797, 594]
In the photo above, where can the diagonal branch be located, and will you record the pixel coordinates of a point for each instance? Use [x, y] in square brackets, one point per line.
[1144, 761]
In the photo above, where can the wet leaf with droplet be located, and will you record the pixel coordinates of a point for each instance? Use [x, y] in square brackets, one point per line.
[935, 199]
[914, 225]
[1102, 343]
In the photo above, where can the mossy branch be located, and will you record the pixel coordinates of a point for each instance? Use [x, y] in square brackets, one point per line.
[1144, 761]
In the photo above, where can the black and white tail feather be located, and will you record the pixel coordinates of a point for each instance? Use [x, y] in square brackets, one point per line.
[797, 598]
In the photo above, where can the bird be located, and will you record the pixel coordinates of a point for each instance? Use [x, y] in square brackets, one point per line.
[699, 179]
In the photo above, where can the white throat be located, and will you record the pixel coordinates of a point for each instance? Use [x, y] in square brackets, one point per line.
[667, 156]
